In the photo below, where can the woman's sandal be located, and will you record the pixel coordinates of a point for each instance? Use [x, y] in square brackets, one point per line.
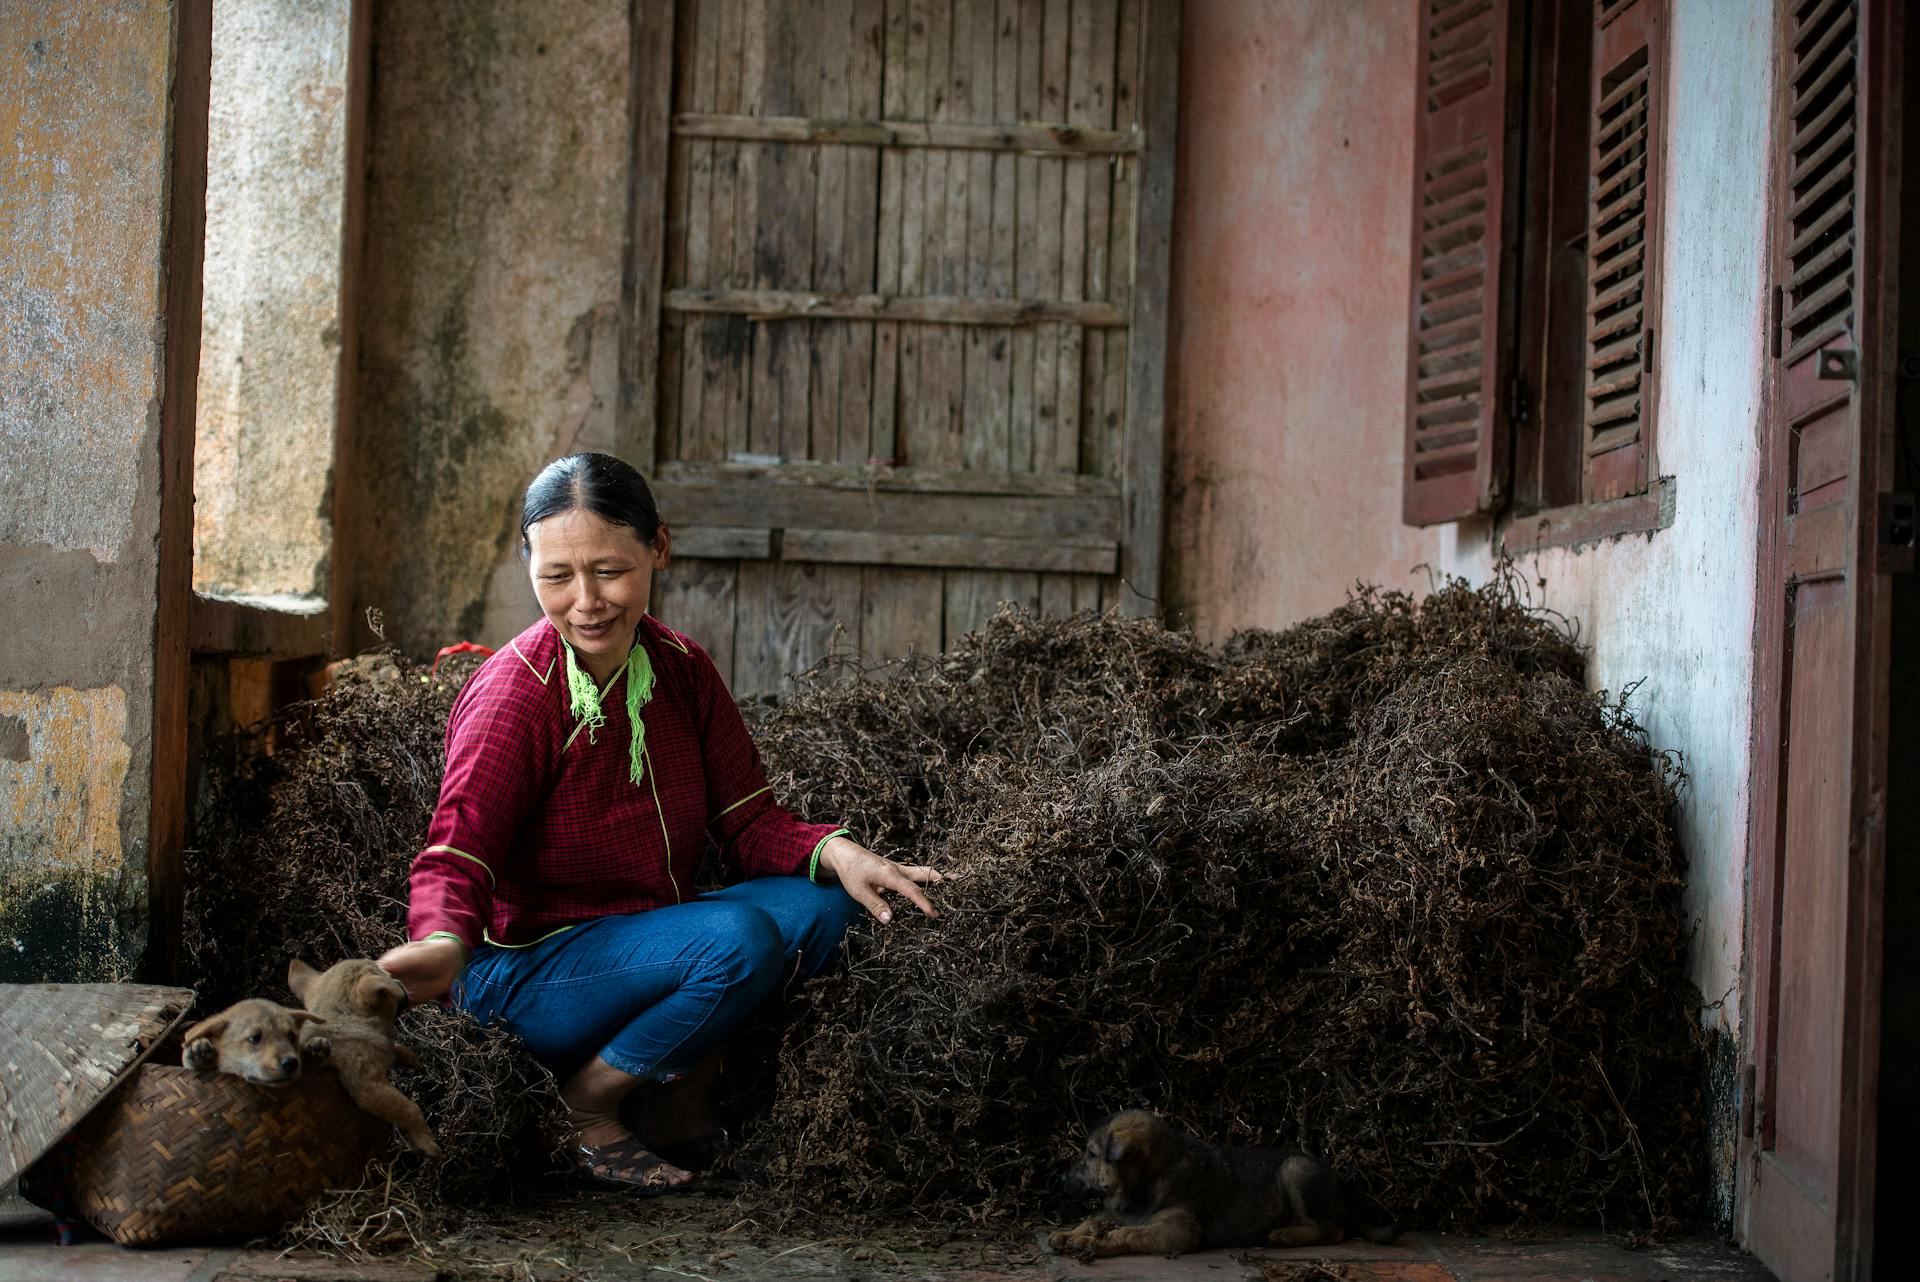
[625, 1164]
[700, 1153]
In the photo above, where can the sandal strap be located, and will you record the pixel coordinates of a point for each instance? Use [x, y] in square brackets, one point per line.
[626, 1161]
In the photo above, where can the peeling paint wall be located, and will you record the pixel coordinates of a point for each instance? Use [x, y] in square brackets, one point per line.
[1291, 229]
[270, 324]
[63, 772]
[496, 207]
[84, 127]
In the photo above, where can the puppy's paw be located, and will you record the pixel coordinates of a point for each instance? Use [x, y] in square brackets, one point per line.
[200, 1055]
[1076, 1243]
[315, 1050]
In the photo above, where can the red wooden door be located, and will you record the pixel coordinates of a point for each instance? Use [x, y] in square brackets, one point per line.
[1823, 633]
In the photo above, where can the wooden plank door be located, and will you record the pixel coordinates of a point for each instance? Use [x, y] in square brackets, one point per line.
[1823, 636]
[899, 314]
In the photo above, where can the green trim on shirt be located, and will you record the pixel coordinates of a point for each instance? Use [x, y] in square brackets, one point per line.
[743, 801]
[491, 879]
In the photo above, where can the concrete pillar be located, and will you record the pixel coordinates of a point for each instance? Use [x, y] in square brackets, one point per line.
[99, 323]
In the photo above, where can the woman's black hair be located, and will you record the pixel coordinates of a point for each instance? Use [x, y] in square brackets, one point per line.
[596, 483]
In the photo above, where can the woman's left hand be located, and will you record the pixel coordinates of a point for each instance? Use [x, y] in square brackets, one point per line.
[866, 876]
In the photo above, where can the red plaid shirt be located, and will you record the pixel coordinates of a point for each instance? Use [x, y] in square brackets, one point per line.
[539, 826]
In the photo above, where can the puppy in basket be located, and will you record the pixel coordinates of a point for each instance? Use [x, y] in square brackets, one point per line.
[255, 1040]
[358, 1004]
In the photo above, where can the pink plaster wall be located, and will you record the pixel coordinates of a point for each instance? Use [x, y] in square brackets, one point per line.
[1291, 226]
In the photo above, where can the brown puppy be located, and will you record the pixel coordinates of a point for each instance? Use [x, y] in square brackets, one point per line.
[361, 1003]
[1167, 1192]
[255, 1039]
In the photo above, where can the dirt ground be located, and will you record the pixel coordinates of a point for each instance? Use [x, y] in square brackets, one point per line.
[587, 1236]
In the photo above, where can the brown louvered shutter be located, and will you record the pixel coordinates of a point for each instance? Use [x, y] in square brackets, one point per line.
[1629, 89]
[1819, 252]
[1460, 348]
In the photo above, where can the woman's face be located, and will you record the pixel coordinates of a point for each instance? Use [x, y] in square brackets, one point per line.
[593, 579]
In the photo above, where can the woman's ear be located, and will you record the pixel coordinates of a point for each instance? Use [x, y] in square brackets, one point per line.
[662, 547]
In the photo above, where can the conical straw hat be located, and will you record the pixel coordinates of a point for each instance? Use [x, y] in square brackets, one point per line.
[63, 1047]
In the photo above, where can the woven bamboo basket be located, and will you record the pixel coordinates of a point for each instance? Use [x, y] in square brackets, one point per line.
[174, 1156]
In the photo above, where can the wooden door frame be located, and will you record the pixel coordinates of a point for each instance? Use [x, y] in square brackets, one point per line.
[186, 241]
[1876, 338]
[1138, 506]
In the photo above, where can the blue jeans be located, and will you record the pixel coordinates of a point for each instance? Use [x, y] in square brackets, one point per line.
[652, 993]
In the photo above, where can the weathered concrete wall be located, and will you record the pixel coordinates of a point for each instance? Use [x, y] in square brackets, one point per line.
[276, 180]
[496, 202]
[84, 124]
[1291, 227]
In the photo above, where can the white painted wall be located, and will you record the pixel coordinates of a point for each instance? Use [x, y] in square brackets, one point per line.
[1674, 609]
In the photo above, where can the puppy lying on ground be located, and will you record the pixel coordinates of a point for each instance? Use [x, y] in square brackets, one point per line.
[1167, 1192]
[359, 1003]
[255, 1039]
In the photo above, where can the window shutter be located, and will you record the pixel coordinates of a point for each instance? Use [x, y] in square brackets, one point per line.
[1817, 292]
[1629, 91]
[1459, 354]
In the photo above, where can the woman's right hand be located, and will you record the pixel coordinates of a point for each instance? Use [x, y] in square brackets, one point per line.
[426, 966]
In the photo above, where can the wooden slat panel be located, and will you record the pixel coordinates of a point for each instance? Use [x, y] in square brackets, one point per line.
[984, 370]
[1113, 399]
[728, 542]
[1026, 276]
[1069, 593]
[916, 265]
[1096, 101]
[1052, 451]
[738, 84]
[698, 69]
[859, 237]
[901, 612]
[917, 89]
[697, 598]
[977, 551]
[1073, 237]
[973, 595]
[789, 304]
[772, 504]
[1143, 471]
[1039, 140]
[889, 250]
[896, 480]
[674, 345]
[651, 91]
[944, 351]
[789, 616]
[833, 56]
[922, 410]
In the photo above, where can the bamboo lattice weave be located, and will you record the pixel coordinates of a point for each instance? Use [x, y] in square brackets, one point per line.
[176, 1156]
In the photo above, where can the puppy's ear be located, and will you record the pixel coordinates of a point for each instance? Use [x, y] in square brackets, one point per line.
[305, 1017]
[299, 975]
[367, 991]
[1118, 1147]
[211, 1028]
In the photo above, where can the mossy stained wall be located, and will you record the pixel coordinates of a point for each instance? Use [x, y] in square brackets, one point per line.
[85, 129]
[495, 235]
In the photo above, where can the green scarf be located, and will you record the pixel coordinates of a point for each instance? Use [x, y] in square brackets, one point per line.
[585, 703]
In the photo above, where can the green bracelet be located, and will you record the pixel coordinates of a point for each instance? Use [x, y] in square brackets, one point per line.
[813, 867]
